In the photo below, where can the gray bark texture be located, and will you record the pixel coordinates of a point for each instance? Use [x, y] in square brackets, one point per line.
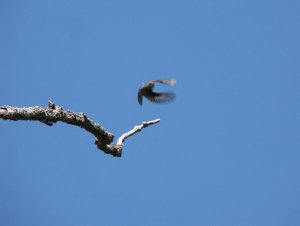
[54, 113]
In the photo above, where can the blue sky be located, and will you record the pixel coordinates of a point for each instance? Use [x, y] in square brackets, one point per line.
[226, 152]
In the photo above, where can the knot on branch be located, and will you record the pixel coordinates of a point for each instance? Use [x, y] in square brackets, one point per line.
[51, 105]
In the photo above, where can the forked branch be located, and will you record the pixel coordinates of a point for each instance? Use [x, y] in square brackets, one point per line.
[54, 113]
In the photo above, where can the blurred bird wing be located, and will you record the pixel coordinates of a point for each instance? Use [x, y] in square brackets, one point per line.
[169, 82]
[160, 97]
[140, 97]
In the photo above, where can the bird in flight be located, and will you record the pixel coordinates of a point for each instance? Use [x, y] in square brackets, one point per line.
[146, 90]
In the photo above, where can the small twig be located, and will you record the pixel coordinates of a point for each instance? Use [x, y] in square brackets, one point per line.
[54, 113]
[136, 129]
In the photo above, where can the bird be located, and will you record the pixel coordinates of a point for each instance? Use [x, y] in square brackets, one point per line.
[146, 90]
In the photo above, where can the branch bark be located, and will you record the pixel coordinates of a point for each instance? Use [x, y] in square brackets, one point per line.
[54, 113]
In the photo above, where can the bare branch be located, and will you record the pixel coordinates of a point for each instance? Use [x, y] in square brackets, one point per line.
[136, 129]
[54, 113]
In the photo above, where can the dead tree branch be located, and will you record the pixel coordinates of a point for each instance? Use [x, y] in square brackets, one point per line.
[54, 113]
[135, 130]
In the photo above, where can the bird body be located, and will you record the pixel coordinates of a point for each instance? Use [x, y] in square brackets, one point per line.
[146, 90]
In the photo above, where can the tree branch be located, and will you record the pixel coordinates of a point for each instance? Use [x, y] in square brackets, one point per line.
[135, 130]
[54, 113]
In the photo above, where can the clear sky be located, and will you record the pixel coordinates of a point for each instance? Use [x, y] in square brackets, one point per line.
[226, 152]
